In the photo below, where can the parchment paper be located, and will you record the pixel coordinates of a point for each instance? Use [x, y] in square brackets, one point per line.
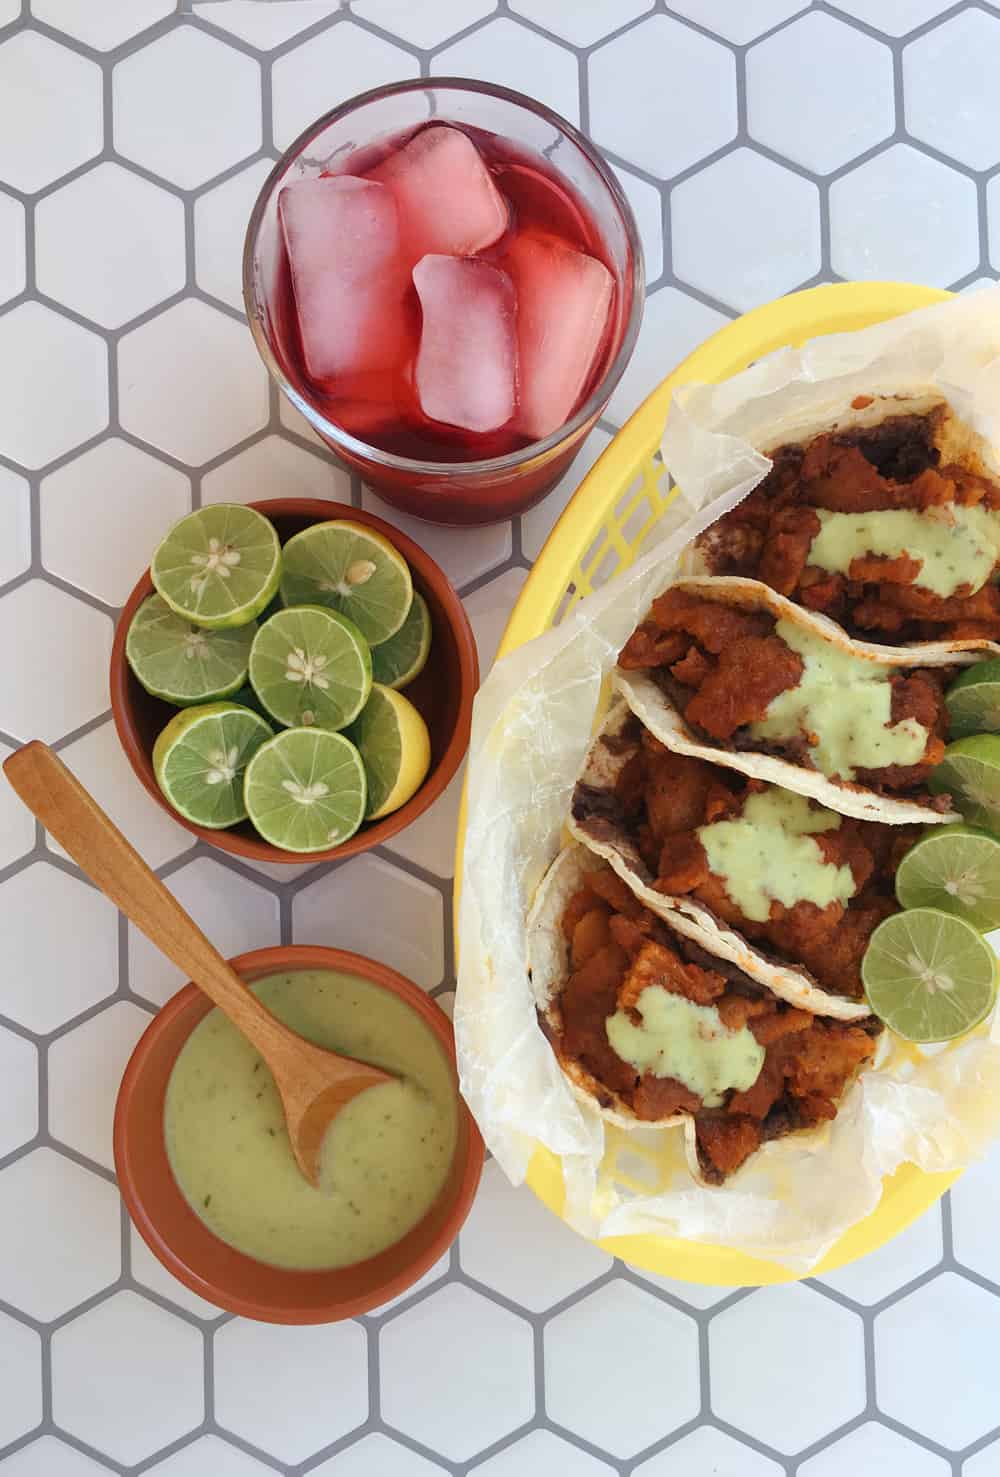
[533, 719]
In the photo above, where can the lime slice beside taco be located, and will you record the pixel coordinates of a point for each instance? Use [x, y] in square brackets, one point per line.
[653, 1029]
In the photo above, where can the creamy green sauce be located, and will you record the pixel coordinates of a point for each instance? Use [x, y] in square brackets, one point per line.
[845, 702]
[687, 1042]
[768, 854]
[952, 554]
[384, 1159]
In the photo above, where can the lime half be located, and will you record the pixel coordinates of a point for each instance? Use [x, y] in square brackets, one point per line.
[396, 749]
[219, 566]
[311, 667]
[182, 663]
[397, 661]
[200, 757]
[956, 868]
[929, 975]
[351, 569]
[306, 789]
[974, 700]
[970, 773]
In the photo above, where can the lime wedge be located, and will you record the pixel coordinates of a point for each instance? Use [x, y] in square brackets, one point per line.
[970, 773]
[200, 757]
[219, 566]
[182, 663]
[397, 661]
[351, 569]
[311, 667]
[305, 790]
[929, 975]
[396, 749]
[974, 700]
[955, 868]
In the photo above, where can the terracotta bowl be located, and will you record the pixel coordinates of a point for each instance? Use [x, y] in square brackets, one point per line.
[186, 1246]
[443, 692]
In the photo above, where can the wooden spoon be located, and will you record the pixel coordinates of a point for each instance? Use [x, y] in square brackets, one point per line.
[314, 1083]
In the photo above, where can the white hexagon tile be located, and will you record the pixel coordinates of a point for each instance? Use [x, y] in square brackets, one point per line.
[764, 145]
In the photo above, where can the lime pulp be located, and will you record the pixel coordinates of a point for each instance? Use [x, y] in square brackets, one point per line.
[955, 868]
[219, 566]
[311, 667]
[397, 661]
[351, 569]
[200, 757]
[970, 773]
[305, 790]
[929, 975]
[973, 700]
[182, 663]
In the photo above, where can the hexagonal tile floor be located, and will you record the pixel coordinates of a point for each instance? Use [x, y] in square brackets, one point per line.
[765, 145]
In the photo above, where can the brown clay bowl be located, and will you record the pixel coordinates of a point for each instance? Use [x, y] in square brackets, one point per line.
[208, 1266]
[443, 692]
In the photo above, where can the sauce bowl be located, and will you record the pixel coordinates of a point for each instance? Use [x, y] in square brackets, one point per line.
[198, 1258]
[442, 693]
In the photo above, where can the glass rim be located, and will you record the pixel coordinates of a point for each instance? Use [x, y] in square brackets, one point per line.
[353, 445]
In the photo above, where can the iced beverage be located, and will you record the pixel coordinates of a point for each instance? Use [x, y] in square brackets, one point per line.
[447, 308]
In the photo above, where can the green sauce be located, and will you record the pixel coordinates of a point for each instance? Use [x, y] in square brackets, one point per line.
[687, 1042]
[845, 702]
[768, 855]
[384, 1159]
[952, 554]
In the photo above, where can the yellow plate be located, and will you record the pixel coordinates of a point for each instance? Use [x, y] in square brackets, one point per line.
[599, 534]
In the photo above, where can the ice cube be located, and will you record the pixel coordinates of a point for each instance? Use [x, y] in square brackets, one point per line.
[447, 200]
[467, 361]
[348, 278]
[563, 303]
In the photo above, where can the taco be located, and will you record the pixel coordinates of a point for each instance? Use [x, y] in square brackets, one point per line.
[652, 1028]
[728, 670]
[885, 518]
[762, 877]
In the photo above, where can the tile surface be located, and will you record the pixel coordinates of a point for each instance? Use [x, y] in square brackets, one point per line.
[490, 1389]
[55, 96]
[128, 245]
[134, 135]
[270, 1381]
[787, 1366]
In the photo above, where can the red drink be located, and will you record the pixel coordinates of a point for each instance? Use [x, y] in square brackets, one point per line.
[444, 304]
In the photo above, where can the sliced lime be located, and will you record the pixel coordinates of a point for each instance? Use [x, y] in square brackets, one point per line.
[970, 773]
[306, 789]
[351, 569]
[929, 975]
[396, 749]
[219, 566]
[200, 757]
[397, 661]
[955, 868]
[974, 700]
[311, 667]
[182, 663]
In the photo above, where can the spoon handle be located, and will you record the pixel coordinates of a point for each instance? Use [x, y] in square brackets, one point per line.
[72, 815]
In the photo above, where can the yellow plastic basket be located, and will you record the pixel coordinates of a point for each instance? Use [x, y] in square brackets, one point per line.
[601, 533]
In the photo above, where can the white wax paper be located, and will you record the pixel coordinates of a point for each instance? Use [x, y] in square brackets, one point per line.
[532, 722]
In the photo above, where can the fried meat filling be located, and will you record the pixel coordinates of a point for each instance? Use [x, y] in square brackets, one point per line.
[617, 949]
[770, 534]
[662, 799]
[724, 666]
